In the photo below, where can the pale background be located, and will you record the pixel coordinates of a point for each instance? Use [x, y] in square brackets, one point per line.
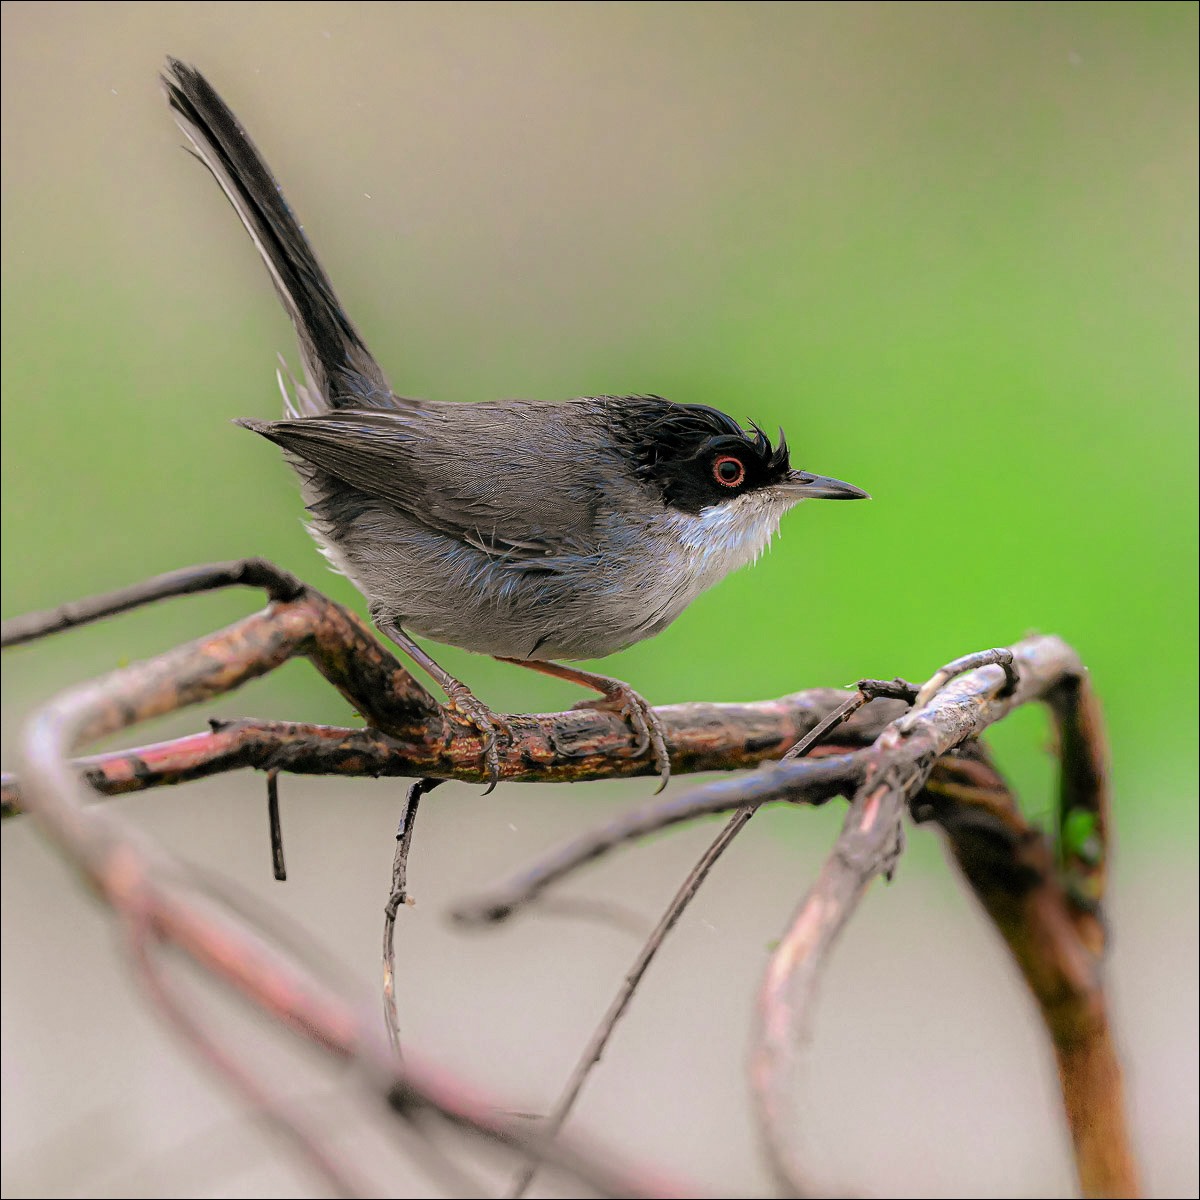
[950, 247]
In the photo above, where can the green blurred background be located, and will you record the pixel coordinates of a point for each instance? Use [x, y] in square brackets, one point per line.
[951, 248]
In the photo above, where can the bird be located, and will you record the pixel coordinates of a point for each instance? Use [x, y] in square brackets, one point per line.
[531, 531]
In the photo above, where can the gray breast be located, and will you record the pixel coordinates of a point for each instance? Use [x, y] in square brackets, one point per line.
[581, 603]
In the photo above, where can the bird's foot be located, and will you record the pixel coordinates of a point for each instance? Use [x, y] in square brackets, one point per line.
[491, 728]
[620, 698]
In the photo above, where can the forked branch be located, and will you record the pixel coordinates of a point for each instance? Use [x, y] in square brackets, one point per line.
[886, 759]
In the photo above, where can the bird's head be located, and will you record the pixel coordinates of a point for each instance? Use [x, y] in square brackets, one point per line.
[698, 458]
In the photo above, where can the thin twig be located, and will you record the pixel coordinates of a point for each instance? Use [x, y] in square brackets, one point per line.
[889, 689]
[835, 718]
[246, 572]
[398, 897]
[275, 828]
[809, 781]
[1000, 657]
[304, 1136]
[594, 1050]
[868, 690]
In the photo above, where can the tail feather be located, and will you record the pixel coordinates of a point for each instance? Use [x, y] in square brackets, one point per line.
[298, 400]
[339, 371]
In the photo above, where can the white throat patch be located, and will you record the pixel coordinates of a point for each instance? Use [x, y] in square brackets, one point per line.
[723, 537]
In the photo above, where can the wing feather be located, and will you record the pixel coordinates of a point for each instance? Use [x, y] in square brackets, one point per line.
[533, 514]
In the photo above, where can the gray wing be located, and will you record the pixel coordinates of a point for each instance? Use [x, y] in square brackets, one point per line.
[508, 478]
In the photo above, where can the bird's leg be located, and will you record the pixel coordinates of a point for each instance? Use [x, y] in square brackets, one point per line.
[462, 700]
[619, 697]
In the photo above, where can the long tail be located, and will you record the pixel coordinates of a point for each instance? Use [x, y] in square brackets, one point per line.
[339, 371]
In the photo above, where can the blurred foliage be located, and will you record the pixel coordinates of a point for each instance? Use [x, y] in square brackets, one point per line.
[950, 248]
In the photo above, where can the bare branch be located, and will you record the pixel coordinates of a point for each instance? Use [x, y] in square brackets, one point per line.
[579, 744]
[275, 827]
[396, 899]
[246, 572]
[1003, 658]
[1045, 902]
[207, 1045]
[904, 756]
[809, 781]
[1047, 908]
[869, 844]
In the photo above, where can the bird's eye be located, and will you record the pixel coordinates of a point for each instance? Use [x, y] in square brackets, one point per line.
[729, 471]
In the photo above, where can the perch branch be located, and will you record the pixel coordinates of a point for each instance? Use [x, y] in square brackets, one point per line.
[575, 745]
[702, 737]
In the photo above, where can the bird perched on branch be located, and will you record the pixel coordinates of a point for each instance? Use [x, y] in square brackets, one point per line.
[529, 531]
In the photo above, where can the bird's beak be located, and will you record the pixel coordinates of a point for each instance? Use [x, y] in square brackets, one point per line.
[801, 485]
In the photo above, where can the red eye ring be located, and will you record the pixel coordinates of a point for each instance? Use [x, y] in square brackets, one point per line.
[729, 471]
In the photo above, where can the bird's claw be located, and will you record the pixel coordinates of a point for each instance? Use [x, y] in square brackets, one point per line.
[642, 719]
[489, 726]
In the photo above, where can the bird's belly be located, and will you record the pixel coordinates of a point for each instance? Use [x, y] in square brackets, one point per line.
[512, 614]
[439, 588]
[640, 577]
